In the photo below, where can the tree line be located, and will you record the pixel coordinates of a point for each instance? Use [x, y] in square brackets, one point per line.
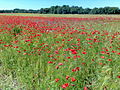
[66, 9]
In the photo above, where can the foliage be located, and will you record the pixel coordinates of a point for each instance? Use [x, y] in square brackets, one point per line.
[66, 9]
[16, 30]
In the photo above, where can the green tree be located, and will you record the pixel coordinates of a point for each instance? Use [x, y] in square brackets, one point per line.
[86, 11]
[94, 11]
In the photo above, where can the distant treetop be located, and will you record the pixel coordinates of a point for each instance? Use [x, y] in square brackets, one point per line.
[66, 9]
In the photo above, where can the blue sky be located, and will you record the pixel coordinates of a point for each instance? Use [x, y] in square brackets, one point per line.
[37, 4]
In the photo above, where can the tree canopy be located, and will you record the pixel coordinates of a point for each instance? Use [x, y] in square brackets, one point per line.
[66, 9]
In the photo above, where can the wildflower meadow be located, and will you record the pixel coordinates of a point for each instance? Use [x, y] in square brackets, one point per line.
[59, 53]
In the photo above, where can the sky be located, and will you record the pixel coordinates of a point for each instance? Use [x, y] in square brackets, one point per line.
[37, 4]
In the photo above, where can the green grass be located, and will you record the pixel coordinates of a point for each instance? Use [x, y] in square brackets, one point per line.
[30, 70]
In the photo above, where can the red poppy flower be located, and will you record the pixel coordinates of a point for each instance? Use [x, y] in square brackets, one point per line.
[109, 59]
[65, 85]
[103, 57]
[67, 77]
[118, 76]
[85, 88]
[57, 79]
[73, 70]
[74, 52]
[68, 57]
[57, 67]
[60, 64]
[73, 79]
[102, 52]
[50, 62]
[77, 68]
[84, 52]
[78, 39]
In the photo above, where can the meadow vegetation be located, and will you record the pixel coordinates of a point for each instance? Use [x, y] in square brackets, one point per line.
[57, 53]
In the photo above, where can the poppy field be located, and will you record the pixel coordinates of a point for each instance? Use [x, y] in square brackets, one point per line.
[59, 53]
